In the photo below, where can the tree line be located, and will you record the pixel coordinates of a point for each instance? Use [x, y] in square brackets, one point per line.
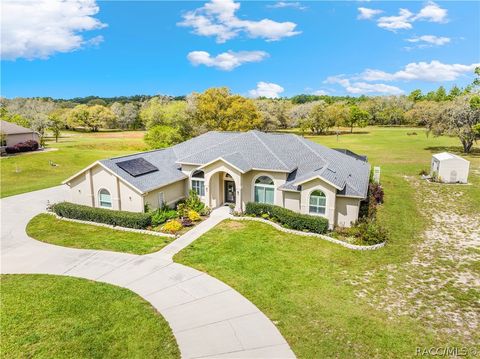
[169, 120]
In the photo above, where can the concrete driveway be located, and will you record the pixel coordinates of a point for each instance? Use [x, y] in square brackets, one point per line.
[209, 319]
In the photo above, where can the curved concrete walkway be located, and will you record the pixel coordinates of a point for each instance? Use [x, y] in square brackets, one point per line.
[209, 319]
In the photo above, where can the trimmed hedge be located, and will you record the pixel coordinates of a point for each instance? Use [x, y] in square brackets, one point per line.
[288, 218]
[102, 215]
[27, 146]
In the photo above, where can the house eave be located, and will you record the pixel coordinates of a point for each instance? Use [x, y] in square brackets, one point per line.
[321, 179]
[68, 180]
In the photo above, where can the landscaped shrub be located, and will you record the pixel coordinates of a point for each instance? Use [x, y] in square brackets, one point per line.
[368, 207]
[26, 146]
[162, 215]
[205, 211]
[288, 218]
[193, 201]
[172, 226]
[186, 222]
[193, 215]
[366, 232]
[102, 215]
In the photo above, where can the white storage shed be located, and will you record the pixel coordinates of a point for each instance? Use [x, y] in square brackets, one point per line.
[449, 168]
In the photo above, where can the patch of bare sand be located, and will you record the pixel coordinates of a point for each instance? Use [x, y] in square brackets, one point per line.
[439, 285]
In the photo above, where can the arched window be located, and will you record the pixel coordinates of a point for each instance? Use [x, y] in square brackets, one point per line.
[318, 202]
[264, 190]
[104, 198]
[198, 182]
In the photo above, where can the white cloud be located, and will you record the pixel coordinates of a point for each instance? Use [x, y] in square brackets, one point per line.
[217, 18]
[320, 92]
[284, 4]
[433, 13]
[435, 71]
[359, 87]
[367, 14]
[266, 89]
[403, 21]
[226, 61]
[38, 29]
[394, 23]
[429, 40]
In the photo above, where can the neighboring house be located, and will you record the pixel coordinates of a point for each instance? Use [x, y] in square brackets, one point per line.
[13, 134]
[231, 167]
[449, 168]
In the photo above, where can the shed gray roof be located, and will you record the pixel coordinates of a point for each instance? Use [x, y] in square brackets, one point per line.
[10, 128]
[299, 158]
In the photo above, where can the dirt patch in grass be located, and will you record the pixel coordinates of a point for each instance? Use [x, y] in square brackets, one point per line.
[440, 285]
[119, 134]
[233, 225]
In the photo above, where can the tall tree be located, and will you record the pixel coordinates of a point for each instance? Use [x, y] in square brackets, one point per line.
[441, 94]
[218, 109]
[126, 114]
[459, 118]
[58, 121]
[337, 113]
[153, 112]
[423, 112]
[91, 117]
[416, 95]
[161, 136]
[357, 117]
[317, 121]
[274, 113]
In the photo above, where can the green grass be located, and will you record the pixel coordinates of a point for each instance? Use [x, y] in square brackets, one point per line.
[45, 316]
[309, 288]
[47, 228]
[301, 284]
[32, 171]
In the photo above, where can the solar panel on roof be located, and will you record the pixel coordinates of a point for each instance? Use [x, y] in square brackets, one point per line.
[137, 167]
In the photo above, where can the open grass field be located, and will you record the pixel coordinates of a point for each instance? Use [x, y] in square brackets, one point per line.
[47, 228]
[46, 316]
[76, 150]
[422, 289]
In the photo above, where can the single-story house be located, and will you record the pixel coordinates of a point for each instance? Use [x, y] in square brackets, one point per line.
[13, 134]
[449, 168]
[231, 168]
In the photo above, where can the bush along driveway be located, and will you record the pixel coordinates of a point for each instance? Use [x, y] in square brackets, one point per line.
[207, 317]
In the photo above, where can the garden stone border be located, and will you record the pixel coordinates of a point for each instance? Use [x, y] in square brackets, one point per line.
[119, 228]
[309, 234]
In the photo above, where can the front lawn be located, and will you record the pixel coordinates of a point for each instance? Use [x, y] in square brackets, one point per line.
[47, 316]
[47, 228]
[302, 285]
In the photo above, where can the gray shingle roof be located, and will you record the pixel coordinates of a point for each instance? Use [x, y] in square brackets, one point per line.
[10, 128]
[301, 159]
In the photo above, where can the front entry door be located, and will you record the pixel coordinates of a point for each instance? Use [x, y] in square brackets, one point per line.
[229, 192]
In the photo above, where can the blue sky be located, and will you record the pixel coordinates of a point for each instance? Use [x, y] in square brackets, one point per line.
[112, 48]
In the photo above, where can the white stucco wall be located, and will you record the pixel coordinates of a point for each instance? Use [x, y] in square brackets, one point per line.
[330, 194]
[279, 178]
[130, 200]
[291, 200]
[84, 189]
[214, 184]
[346, 211]
[172, 193]
[80, 189]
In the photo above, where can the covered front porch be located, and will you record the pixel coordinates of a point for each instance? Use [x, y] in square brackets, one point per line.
[223, 188]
